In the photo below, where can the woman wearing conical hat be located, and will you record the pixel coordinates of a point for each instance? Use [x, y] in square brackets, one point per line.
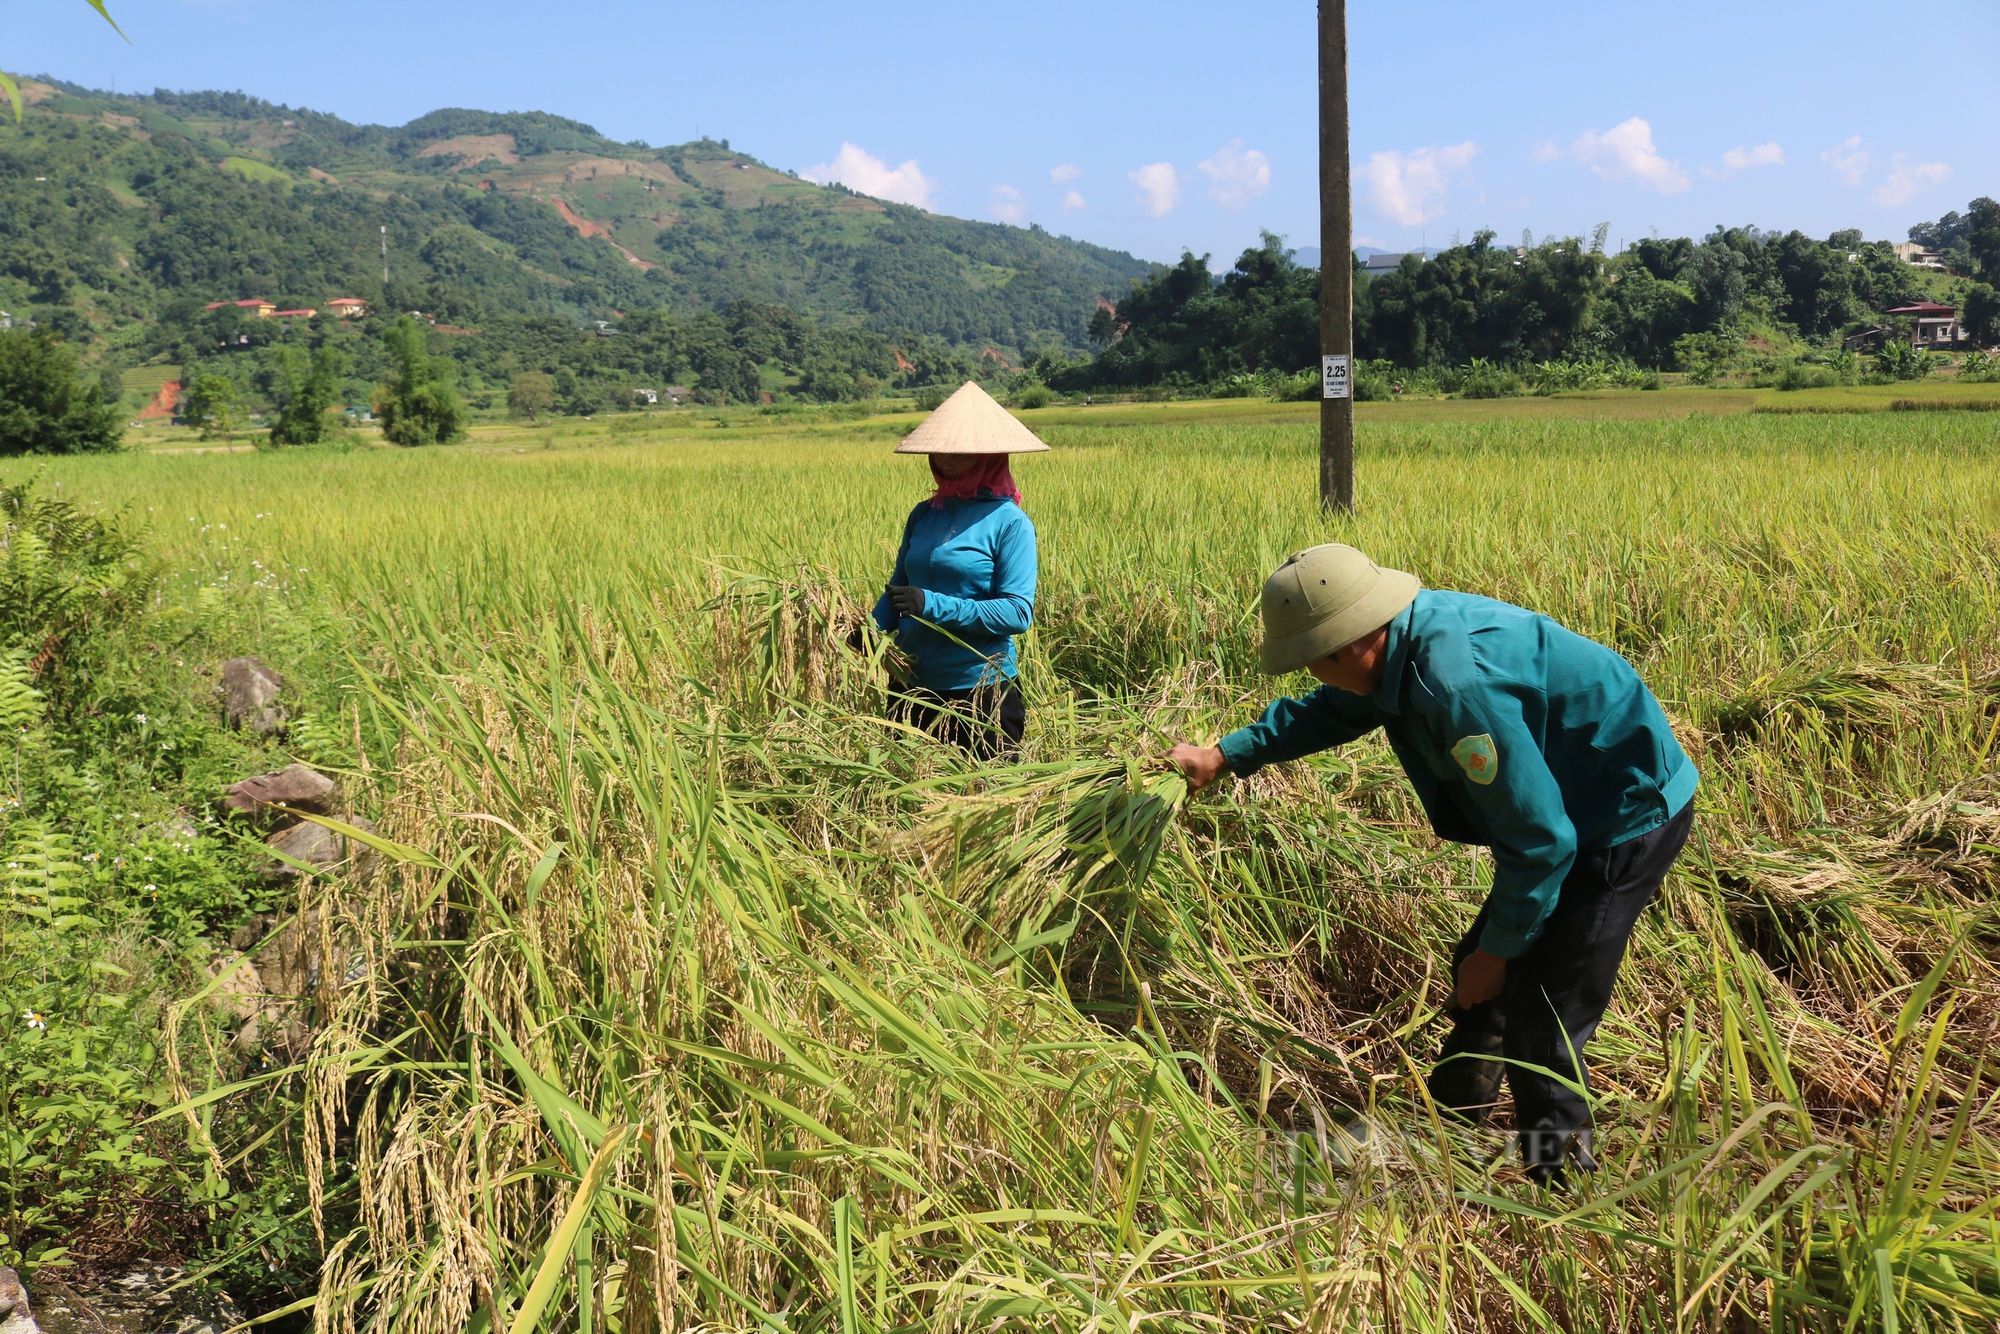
[964, 583]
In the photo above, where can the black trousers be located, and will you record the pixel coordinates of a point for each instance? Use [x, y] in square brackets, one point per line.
[987, 720]
[1554, 996]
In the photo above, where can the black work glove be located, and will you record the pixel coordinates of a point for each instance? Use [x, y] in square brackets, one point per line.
[906, 599]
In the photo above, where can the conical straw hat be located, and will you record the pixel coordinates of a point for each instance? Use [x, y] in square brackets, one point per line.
[970, 422]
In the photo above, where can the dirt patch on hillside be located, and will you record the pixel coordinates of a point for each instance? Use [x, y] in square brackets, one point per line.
[473, 149]
[585, 227]
[165, 400]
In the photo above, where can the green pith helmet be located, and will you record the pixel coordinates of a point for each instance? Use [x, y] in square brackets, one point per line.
[1324, 598]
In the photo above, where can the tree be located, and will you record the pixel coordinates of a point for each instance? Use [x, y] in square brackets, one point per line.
[46, 407]
[1984, 238]
[312, 387]
[530, 394]
[1982, 315]
[1103, 329]
[1817, 281]
[420, 407]
[209, 402]
[111, 382]
[1968, 240]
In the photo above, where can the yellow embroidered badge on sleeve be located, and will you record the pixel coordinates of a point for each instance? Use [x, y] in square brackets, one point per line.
[1476, 755]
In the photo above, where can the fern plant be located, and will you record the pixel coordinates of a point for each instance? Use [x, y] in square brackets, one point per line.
[44, 879]
[20, 703]
[66, 578]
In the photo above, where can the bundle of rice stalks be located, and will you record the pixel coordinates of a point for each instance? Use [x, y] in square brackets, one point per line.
[1021, 845]
[782, 636]
[1863, 696]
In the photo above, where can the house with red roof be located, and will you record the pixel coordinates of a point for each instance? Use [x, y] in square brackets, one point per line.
[1933, 328]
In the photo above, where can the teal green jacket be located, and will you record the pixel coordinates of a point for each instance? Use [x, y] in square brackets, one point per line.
[1517, 734]
[976, 562]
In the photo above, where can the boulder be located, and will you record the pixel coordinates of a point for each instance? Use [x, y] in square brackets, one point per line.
[295, 786]
[316, 846]
[140, 1301]
[266, 989]
[15, 1317]
[249, 692]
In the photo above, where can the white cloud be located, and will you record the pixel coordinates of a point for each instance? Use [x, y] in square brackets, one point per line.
[1159, 188]
[1744, 159]
[1064, 174]
[861, 171]
[1909, 179]
[1848, 159]
[1240, 175]
[1410, 187]
[1072, 202]
[1545, 151]
[1009, 205]
[1625, 152]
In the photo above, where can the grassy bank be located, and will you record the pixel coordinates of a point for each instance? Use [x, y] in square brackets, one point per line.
[691, 991]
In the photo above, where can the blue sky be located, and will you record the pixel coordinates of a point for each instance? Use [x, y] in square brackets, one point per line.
[1151, 127]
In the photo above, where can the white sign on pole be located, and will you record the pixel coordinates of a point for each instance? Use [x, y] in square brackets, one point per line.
[1333, 380]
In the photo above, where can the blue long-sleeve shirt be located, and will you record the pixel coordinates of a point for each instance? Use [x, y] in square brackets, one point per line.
[1517, 734]
[975, 561]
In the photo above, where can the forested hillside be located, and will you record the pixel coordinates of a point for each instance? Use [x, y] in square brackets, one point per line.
[1661, 304]
[121, 218]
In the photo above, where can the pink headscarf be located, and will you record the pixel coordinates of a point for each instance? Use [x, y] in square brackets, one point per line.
[989, 474]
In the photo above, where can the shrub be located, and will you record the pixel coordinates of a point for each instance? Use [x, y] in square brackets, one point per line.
[312, 389]
[421, 407]
[1980, 368]
[1034, 396]
[1301, 388]
[1485, 380]
[1552, 377]
[209, 402]
[1800, 376]
[531, 394]
[931, 397]
[1705, 355]
[1897, 360]
[46, 407]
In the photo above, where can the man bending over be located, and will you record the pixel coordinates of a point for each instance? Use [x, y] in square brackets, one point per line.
[1518, 736]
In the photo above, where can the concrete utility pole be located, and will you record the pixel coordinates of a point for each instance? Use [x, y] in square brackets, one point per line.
[1336, 268]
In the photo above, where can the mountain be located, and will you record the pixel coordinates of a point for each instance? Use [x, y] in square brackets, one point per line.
[118, 211]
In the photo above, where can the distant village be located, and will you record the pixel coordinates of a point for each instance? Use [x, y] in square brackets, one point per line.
[341, 307]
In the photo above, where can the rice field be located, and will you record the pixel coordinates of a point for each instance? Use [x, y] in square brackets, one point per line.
[687, 992]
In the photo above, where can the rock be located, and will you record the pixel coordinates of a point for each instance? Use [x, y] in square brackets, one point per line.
[136, 1302]
[15, 1317]
[316, 846]
[266, 991]
[250, 695]
[295, 786]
